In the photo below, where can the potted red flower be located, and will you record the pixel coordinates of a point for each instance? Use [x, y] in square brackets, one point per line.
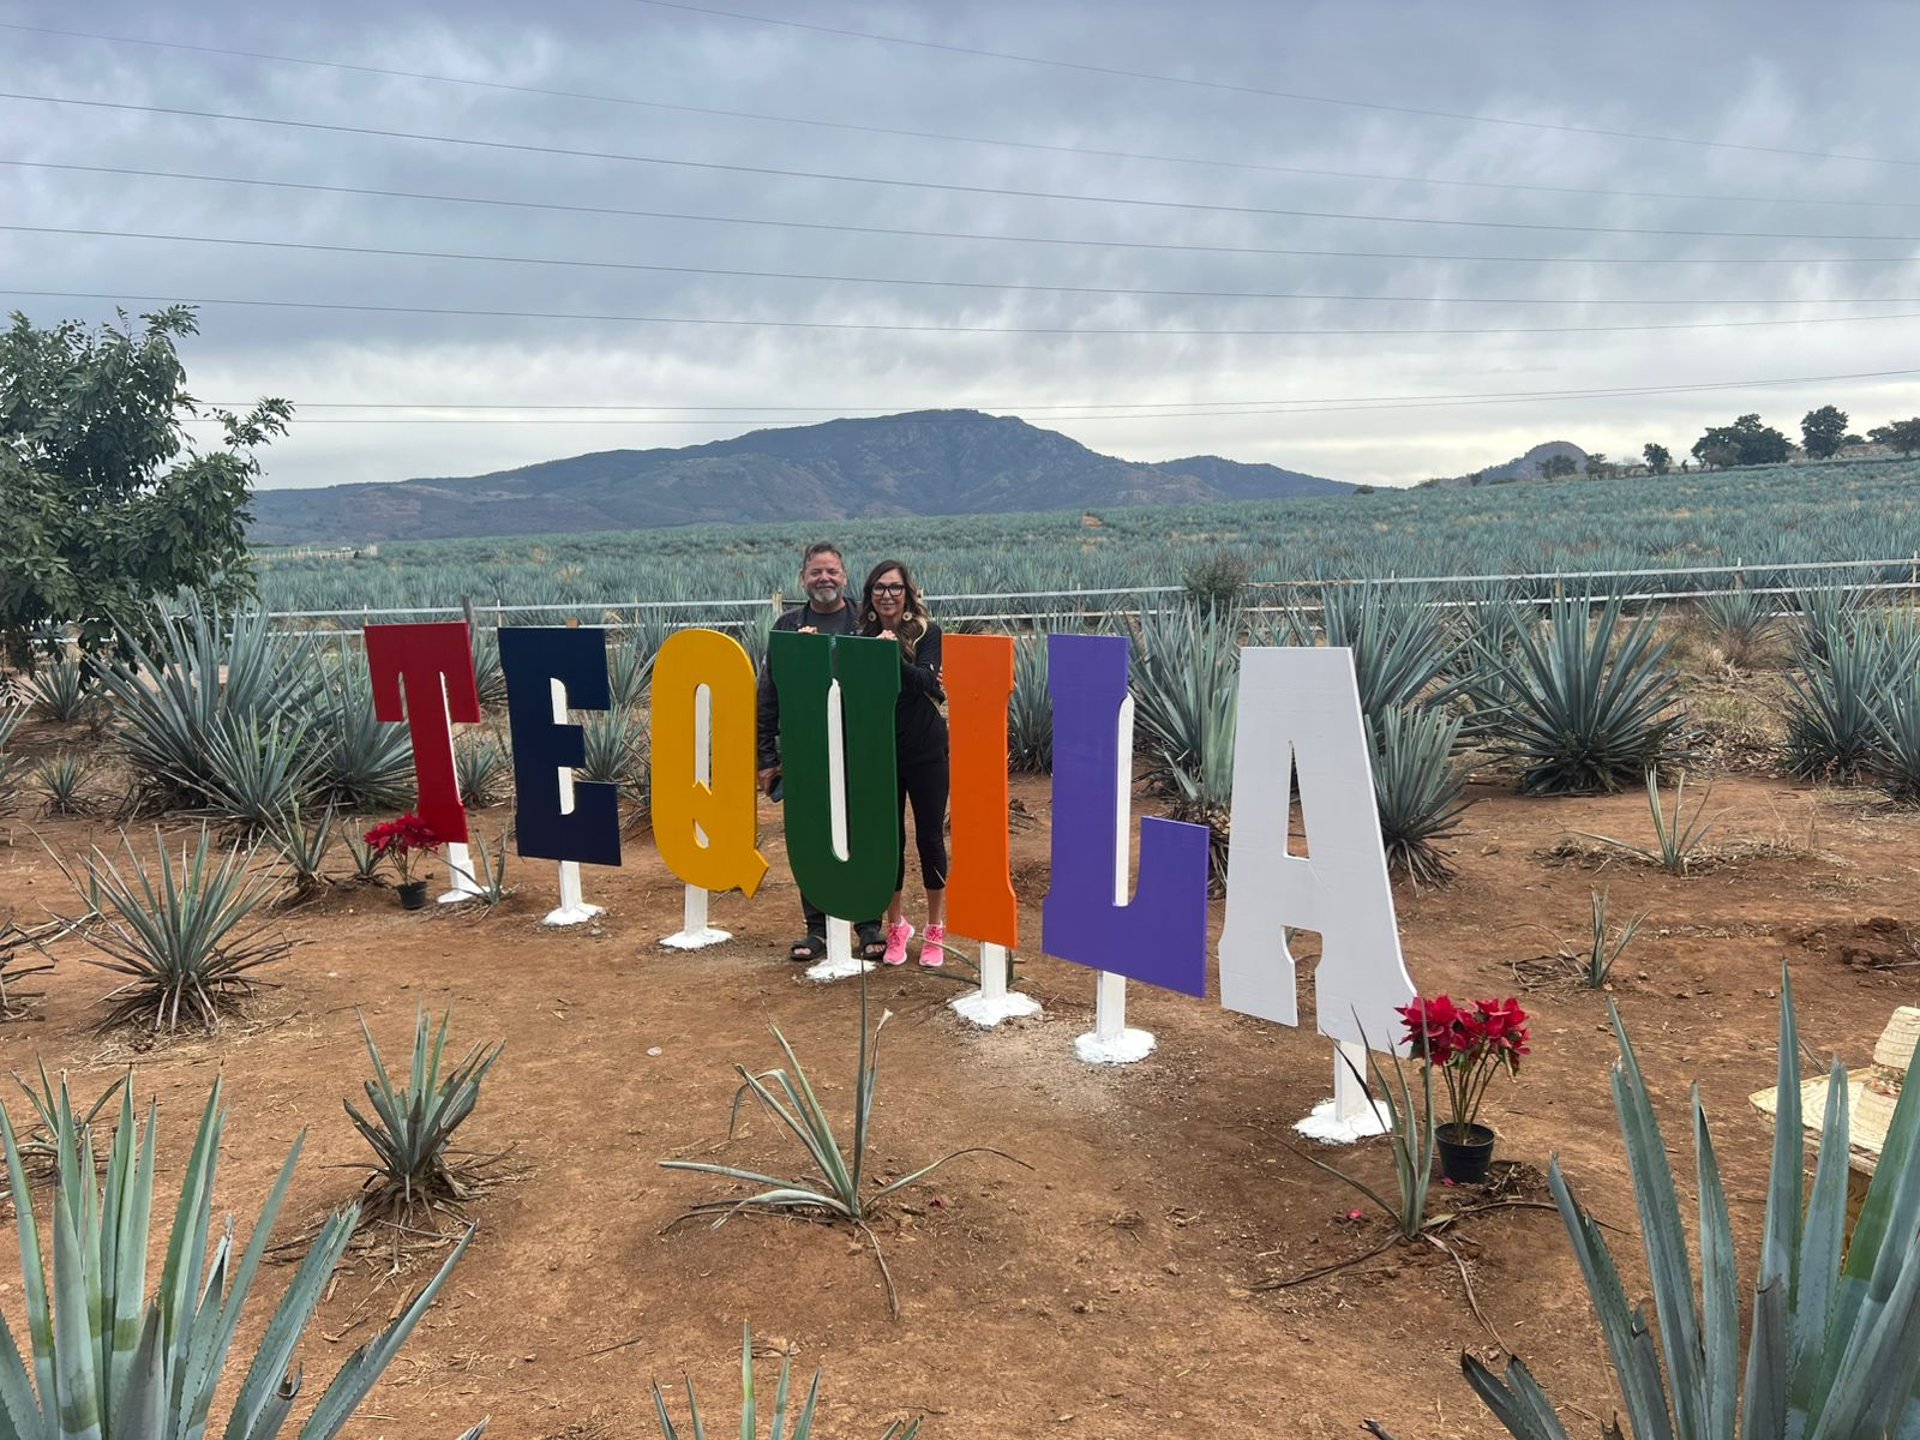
[1468, 1045]
[401, 841]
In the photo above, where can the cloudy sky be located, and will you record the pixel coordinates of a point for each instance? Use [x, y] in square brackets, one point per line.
[1376, 241]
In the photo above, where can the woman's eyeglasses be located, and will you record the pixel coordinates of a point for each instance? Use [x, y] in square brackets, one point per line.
[890, 588]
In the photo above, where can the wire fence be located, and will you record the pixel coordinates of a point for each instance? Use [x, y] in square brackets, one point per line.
[1261, 597]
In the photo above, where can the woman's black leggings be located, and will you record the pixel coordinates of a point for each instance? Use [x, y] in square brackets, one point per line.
[925, 783]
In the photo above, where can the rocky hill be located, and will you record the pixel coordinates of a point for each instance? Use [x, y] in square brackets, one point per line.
[936, 462]
[1522, 467]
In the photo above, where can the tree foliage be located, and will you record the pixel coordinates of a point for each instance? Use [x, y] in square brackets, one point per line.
[1659, 459]
[1823, 432]
[1901, 435]
[1745, 442]
[1557, 467]
[103, 499]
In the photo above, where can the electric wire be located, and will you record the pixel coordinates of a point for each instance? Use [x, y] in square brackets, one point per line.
[941, 186]
[921, 328]
[971, 235]
[1192, 409]
[1018, 287]
[948, 137]
[1302, 97]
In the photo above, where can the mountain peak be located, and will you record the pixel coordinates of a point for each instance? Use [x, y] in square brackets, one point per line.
[922, 462]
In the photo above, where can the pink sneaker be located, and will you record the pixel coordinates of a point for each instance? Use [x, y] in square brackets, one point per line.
[933, 949]
[897, 938]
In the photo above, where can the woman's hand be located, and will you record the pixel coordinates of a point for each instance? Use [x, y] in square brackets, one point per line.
[886, 635]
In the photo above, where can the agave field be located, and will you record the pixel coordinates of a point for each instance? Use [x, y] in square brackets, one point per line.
[567, 1183]
[1860, 510]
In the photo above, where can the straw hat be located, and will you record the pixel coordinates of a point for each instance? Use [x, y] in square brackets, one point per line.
[1872, 1092]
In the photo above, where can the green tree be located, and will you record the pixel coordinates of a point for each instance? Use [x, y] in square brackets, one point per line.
[104, 501]
[1598, 466]
[1901, 435]
[1745, 442]
[1659, 459]
[1557, 467]
[1823, 431]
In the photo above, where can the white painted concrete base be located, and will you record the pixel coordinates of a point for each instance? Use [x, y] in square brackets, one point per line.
[696, 939]
[1328, 1125]
[1122, 1049]
[987, 1011]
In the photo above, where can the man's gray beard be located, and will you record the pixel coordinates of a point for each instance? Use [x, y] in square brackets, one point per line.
[822, 595]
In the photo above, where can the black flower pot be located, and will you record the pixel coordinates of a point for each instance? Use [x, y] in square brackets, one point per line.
[413, 896]
[1465, 1152]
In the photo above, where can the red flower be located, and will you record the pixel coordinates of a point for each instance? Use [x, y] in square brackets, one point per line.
[1436, 1028]
[1466, 1045]
[399, 840]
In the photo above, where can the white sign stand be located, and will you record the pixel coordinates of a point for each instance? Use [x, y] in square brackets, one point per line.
[1110, 1042]
[694, 932]
[1351, 1114]
[460, 872]
[839, 963]
[573, 910]
[1300, 714]
[993, 1001]
[459, 861]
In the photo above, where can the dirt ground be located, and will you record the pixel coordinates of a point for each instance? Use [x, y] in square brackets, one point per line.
[1121, 1286]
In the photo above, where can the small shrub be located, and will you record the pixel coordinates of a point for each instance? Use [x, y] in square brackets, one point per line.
[617, 754]
[1835, 719]
[1214, 585]
[837, 1186]
[367, 859]
[303, 847]
[1585, 705]
[63, 690]
[63, 781]
[256, 770]
[1828, 614]
[12, 763]
[1676, 840]
[1595, 965]
[1833, 1315]
[195, 675]
[412, 1125]
[491, 876]
[362, 763]
[177, 932]
[1030, 712]
[630, 663]
[23, 953]
[1402, 647]
[1741, 623]
[786, 1426]
[480, 767]
[1186, 685]
[1896, 758]
[489, 679]
[1418, 789]
[110, 1362]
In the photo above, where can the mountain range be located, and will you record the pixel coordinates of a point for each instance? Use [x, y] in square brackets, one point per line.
[933, 462]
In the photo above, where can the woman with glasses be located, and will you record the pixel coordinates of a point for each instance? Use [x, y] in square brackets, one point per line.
[892, 608]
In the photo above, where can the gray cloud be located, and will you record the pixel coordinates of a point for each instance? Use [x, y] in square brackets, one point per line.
[1756, 75]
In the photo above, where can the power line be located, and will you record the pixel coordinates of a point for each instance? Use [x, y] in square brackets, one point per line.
[973, 235]
[648, 267]
[1299, 96]
[762, 117]
[1197, 408]
[902, 327]
[947, 187]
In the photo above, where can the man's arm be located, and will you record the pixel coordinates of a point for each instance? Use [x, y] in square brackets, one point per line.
[768, 732]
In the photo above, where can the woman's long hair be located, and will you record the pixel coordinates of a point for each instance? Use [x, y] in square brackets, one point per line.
[913, 619]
